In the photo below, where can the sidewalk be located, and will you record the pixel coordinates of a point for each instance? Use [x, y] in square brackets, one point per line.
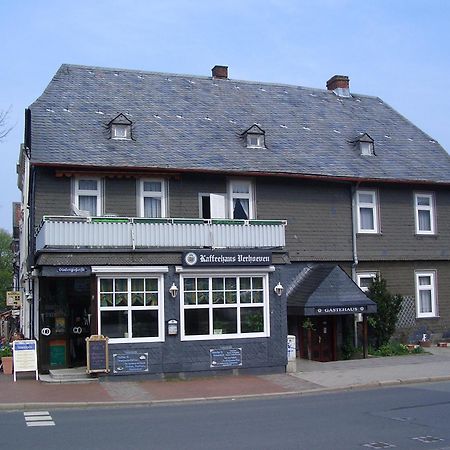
[311, 377]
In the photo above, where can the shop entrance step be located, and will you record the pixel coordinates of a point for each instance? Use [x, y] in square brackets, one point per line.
[75, 375]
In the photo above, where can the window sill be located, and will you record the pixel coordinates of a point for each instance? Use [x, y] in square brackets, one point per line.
[427, 317]
[133, 340]
[217, 337]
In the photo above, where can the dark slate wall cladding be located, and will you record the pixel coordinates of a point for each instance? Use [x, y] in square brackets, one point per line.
[183, 193]
[397, 239]
[52, 195]
[318, 214]
[120, 197]
[400, 279]
[175, 356]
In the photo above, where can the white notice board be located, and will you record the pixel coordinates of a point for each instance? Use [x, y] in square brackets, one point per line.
[25, 356]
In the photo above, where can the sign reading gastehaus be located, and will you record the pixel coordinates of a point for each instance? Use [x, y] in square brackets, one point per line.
[196, 258]
[340, 310]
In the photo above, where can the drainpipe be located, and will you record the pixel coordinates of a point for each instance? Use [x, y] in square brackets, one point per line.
[355, 250]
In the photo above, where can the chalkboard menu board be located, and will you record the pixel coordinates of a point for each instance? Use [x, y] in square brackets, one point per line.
[97, 354]
[226, 357]
[129, 361]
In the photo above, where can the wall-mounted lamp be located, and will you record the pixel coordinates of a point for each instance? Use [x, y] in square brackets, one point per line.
[173, 290]
[278, 289]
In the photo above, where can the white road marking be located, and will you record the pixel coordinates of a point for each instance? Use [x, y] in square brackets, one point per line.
[38, 419]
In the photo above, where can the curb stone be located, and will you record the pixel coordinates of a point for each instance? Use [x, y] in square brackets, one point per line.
[22, 406]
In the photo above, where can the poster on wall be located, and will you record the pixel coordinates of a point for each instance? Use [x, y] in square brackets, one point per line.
[129, 361]
[225, 357]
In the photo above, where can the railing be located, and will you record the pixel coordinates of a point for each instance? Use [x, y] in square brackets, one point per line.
[136, 233]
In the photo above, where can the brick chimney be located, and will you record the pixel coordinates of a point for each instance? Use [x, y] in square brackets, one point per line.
[340, 85]
[220, 72]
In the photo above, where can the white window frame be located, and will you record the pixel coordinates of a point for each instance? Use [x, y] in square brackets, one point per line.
[363, 275]
[129, 308]
[211, 306]
[152, 194]
[366, 148]
[432, 287]
[250, 196]
[431, 209]
[259, 140]
[124, 137]
[89, 193]
[372, 205]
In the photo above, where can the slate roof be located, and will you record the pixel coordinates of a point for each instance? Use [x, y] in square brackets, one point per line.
[325, 286]
[196, 123]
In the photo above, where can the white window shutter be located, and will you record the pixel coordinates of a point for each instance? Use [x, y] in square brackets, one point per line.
[217, 205]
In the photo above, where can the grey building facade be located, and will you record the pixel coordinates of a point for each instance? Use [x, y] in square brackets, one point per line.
[196, 221]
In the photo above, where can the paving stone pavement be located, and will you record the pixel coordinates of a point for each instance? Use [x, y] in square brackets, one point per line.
[310, 377]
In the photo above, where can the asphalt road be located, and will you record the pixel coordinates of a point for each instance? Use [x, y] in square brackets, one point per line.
[409, 417]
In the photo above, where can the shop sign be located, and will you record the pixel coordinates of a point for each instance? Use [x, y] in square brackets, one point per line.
[225, 357]
[25, 356]
[66, 271]
[330, 310]
[196, 258]
[13, 299]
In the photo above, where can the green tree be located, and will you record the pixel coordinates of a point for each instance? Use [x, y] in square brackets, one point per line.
[6, 269]
[388, 307]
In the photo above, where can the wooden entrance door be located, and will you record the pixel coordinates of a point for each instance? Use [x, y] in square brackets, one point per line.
[323, 342]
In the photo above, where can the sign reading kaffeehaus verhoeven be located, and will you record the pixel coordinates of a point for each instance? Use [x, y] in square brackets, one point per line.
[195, 258]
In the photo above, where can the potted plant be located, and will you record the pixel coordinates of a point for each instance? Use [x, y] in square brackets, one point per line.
[309, 327]
[7, 360]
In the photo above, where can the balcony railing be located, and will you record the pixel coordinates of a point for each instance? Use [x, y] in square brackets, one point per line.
[140, 233]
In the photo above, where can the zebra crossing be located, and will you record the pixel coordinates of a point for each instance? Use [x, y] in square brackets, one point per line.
[38, 419]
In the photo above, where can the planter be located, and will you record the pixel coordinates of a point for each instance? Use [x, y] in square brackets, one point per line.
[7, 362]
[411, 347]
[425, 343]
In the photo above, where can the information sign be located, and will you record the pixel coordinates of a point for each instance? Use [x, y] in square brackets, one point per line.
[13, 299]
[226, 357]
[25, 357]
[97, 354]
[129, 361]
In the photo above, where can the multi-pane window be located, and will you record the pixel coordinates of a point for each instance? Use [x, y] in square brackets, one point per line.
[426, 294]
[131, 308]
[88, 196]
[241, 199]
[424, 213]
[365, 280]
[367, 211]
[224, 307]
[152, 198]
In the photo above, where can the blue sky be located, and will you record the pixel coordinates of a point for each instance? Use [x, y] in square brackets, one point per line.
[398, 50]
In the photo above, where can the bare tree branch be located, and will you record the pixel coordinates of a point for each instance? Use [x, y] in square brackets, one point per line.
[4, 126]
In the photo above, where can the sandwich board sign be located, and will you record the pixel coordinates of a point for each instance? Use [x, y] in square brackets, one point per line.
[25, 357]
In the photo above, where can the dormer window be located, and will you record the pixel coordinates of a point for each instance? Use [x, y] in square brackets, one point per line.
[255, 137]
[120, 131]
[120, 127]
[366, 145]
